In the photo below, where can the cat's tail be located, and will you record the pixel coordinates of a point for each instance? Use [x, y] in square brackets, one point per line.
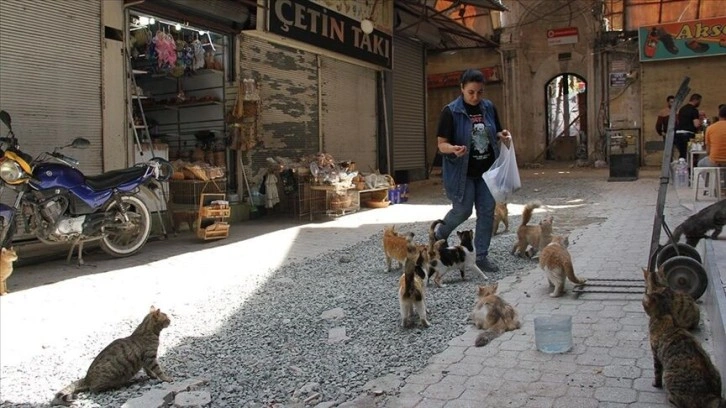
[677, 233]
[570, 273]
[485, 337]
[432, 233]
[528, 209]
[65, 396]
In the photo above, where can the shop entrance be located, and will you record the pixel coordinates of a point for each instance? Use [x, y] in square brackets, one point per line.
[566, 107]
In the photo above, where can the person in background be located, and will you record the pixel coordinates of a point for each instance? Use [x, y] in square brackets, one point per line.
[688, 124]
[716, 141]
[661, 124]
[468, 137]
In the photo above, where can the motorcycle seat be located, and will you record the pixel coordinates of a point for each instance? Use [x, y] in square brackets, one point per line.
[114, 178]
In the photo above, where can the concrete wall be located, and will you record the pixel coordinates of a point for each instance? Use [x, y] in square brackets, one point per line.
[116, 149]
[532, 62]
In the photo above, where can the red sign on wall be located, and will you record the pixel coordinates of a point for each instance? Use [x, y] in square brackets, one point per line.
[559, 36]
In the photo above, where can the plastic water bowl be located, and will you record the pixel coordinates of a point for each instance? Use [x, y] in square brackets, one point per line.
[553, 334]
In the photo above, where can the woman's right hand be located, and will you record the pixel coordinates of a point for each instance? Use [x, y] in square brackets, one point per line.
[459, 150]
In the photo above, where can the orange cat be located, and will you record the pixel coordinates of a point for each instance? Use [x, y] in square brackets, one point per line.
[556, 262]
[501, 215]
[493, 314]
[411, 289]
[534, 236]
[394, 246]
[7, 257]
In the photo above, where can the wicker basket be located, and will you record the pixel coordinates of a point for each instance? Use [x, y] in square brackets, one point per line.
[194, 172]
[341, 201]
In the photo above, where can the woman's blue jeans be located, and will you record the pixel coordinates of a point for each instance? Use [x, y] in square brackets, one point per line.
[476, 195]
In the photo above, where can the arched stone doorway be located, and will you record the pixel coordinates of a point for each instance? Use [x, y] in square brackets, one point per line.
[566, 107]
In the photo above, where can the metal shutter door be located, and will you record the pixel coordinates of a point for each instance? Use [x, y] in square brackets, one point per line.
[50, 83]
[409, 128]
[349, 112]
[288, 85]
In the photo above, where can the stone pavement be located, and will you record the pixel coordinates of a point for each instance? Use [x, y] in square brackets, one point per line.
[610, 364]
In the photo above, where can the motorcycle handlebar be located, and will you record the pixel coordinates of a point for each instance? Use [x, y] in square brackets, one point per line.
[65, 158]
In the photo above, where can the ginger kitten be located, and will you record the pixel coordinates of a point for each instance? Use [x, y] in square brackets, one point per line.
[680, 363]
[556, 262]
[684, 309]
[394, 246]
[411, 290]
[492, 314]
[501, 215]
[119, 362]
[7, 257]
[534, 236]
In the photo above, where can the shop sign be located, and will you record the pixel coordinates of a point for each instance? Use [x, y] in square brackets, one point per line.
[560, 36]
[313, 24]
[686, 39]
[491, 74]
[618, 79]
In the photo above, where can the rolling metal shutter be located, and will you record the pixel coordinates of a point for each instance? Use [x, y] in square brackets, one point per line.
[287, 79]
[349, 112]
[409, 128]
[50, 83]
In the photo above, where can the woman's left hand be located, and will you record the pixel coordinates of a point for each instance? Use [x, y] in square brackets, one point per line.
[505, 137]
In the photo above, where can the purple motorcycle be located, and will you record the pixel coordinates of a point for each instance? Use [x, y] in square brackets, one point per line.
[59, 204]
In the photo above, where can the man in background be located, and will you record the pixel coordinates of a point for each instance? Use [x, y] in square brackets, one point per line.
[716, 142]
[688, 124]
[661, 124]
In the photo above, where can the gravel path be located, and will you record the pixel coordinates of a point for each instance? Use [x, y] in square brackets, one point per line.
[317, 330]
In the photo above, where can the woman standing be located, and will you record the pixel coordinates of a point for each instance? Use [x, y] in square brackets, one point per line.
[468, 138]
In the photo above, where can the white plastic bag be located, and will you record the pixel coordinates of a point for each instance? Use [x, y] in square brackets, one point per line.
[503, 177]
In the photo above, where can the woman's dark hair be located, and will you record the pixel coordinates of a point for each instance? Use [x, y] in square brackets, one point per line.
[471, 75]
[669, 97]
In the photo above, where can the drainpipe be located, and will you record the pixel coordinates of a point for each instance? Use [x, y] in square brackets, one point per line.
[320, 103]
[505, 82]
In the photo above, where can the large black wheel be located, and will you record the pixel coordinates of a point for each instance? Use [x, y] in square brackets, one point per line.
[669, 251]
[685, 274]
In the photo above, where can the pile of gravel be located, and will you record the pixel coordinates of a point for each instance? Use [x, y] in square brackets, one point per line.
[276, 348]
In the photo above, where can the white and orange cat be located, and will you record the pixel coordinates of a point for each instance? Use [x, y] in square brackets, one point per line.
[7, 257]
[556, 262]
[411, 288]
[492, 314]
[532, 238]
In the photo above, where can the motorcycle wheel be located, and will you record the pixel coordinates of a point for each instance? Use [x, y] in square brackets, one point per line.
[126, 238]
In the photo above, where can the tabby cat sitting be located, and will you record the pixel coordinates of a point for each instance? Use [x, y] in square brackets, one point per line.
[684, 309]
[119, 362]
[680, 363]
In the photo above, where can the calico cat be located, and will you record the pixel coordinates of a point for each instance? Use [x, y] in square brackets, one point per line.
[411, 290]
[443, 258]
[501, 215]
[534, 236]
[556, 262]
[492, 314]
[119, 362]
[394, 246]
[679, 361]
[697, 225]
[684, 309]
[7, 257]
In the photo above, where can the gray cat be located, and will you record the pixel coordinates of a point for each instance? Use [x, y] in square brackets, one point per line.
[697, 225]
[119, 362]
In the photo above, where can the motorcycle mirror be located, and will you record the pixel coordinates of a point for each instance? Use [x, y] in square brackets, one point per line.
[5, 118]
[80, 143]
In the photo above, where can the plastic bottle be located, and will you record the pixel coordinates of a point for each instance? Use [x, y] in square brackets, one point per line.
[682, 173]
